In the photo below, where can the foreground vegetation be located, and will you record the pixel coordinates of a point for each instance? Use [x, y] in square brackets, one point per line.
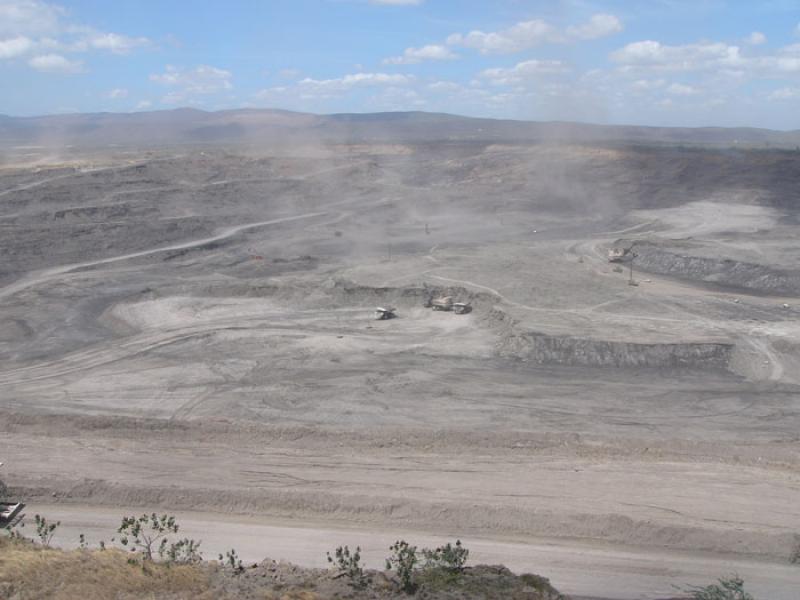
[147, 560]
[31, 571]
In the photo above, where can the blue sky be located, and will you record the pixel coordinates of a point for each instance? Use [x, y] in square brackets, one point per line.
[653, 62]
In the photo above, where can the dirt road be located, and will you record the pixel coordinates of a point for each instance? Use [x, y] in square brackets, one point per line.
[46, 275]
[576, 568]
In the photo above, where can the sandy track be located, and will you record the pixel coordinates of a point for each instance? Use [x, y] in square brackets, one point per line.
[80, 171]
[45, 275]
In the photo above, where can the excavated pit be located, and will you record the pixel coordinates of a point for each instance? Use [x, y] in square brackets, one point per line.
[513, 340]
[727, 272]
[574, 351]
[517, 342]
[567, 404]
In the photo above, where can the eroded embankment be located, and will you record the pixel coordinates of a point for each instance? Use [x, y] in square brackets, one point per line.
[515, 341]
[720, 271]
[567, 350]
[432, 516]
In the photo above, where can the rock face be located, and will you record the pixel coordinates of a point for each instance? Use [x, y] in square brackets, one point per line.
[516, 342]
[733, 273]
[568, 350]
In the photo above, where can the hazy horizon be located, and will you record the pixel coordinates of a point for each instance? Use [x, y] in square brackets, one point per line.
[389, 112]
[667, 63]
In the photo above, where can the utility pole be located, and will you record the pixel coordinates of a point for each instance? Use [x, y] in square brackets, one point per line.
[630, 276]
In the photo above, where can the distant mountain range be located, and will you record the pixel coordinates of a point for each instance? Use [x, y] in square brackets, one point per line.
[255, 126]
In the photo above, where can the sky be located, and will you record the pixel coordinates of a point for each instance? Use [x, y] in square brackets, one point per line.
[646, 62]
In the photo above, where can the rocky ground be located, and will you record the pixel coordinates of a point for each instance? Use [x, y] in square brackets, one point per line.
[192, 329]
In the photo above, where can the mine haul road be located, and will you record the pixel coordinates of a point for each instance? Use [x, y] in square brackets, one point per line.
[45, 275]
[581, 569]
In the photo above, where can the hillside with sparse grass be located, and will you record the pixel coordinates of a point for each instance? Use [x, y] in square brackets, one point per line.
[29, 571]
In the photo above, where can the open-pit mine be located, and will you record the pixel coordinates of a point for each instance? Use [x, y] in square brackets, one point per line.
[192, 328]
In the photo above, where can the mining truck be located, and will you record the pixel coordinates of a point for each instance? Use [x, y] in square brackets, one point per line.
[461, 308]
[442, 303]
[9, 513]
[9, 510]
[617, 254]
[383, 313]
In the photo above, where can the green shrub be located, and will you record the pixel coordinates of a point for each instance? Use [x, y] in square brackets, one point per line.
[404, 561]
[150, 533]
[449, 557]
[182, 552]
[232, 560]
[14, 533]
[349, 565]
[731, 588]
[45, 531]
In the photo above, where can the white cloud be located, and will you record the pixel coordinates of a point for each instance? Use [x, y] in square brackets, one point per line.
[117, 93]
[416, 55]
[143, 104]
[201, 80]
[715, 57]
[784, 94]
[34, 27]
[528, 34]
[598, 26]
[54, 63]
[444, 86]
[118, 44]
[374, 90]
[786, 60]
[188, 84]
[689, 57]
[394, 98]
[680, 89]
[356, 80]
[643, 85]
[521, 36]
[520, 72]
[29, 17]
[756, 38]
[16, 46]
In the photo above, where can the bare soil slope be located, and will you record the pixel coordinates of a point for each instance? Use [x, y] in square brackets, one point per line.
[192, 329]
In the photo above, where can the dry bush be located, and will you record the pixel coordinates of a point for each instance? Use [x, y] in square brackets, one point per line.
[29, 572]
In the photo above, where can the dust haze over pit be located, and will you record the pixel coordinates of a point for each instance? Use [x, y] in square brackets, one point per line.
[211, 295]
